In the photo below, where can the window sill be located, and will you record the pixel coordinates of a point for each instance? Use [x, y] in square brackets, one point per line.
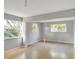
[8, 38]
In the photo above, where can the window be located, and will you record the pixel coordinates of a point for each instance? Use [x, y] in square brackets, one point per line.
[12, 29]
[34, 27]
[58, 28]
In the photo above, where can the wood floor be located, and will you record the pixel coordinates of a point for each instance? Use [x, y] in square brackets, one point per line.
[42, 51]
[12, 53]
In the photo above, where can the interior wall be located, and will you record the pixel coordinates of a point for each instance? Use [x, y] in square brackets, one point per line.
[12, 17]
[60, 36]
[32, 37]
[11, 43]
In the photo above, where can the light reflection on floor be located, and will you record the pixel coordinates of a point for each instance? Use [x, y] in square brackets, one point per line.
[47, 51]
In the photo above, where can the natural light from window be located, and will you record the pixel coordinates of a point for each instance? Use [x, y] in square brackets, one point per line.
[58, 28]
[34, 27]
[12, 29]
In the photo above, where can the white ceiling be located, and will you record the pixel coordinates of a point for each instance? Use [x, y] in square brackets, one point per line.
[36, 7]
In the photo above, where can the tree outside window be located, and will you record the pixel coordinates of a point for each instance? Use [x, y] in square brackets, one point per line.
[12, 28]
[34, 27]
[58, 28]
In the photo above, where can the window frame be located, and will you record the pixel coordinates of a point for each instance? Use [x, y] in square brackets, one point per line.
[34, 27]
[15, 37]
[62, 27]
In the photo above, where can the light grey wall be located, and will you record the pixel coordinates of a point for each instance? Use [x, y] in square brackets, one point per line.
[60, 36]
[32, 37]
[11, 43]
[12, 17]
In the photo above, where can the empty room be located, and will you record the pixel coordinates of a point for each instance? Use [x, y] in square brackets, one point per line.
[39, 29]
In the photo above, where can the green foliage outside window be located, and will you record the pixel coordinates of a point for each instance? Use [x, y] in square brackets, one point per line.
[34, 27]
[58, 27]
[11, 28]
